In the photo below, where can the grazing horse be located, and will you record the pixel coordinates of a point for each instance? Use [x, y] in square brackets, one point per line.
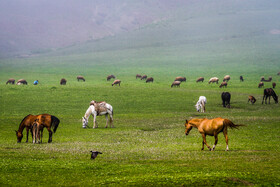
[176, 83]
[181, 79]
[150, 79]
[21, 81]
[252, 99]
[11, 81]
[29, 120]
[144, 77]
[267, 93]
[81, 78]
[226, 78]
[214, 79]
[63, 81]
[226, 99]
[200, 105]
[98, 109]
[138, 76]
[117, 82]
[200, 79]
[223, 84]
[260, 85]
[264, 80]
[273, 84]
[109, 77]
[241, 78]
[211, 127]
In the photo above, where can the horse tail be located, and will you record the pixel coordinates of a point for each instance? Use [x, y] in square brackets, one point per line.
[54, 123]
[229, 123]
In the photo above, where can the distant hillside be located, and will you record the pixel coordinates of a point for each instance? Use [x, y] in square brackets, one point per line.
[69, 26]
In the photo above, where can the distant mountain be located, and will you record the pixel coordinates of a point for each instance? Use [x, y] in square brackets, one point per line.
[39, 26]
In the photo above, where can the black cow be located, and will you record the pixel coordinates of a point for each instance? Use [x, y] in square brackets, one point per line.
[226, 99]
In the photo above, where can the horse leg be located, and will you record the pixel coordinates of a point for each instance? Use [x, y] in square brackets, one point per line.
[27, 132]
[202, 145]
[111, 121]
[204, 141]
[216, 141]
[50, 134]
[94, 122]
[106, 116]
[226, 137]
[268, 99]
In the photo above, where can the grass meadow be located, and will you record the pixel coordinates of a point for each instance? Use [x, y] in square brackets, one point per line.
[148, 145]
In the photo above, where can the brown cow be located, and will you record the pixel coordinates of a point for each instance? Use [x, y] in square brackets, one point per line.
[252, 99]
[116, 82]
[260, 85]
[21, 81]
[200, 79]
[63, 81]
[176, 83]
[138, 76]
[150, 79]
[224, 84]
[80, 78]
[181, 79]
[109, 77]
[11, 81]
[273, 84]
[144, 77]
[226, 78]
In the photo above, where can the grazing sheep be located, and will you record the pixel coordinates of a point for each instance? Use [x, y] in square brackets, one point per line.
[252, 99]
[226, 99]
[11, 81]
[138, 76]
[63, 81]
[241, 78]
[226, 78]
[214, 79]
[117, 82]
[200, 79]
[150, 79]
[109, 77]
[181, 79]
[144, 77]
[224, 84]
[94, 154]
[260, 85]
[273, 84]
[21, 81]
[176, 83]
[80, 78]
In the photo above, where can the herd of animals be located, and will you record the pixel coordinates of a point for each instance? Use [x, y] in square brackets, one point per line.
[212, 127]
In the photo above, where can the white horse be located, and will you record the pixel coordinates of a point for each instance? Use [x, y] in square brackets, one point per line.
[200, 105]
[107, 109]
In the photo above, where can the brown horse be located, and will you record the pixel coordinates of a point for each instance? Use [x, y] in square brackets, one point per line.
[29, 120]
[11, 81]
[81, 78]
[211, 127]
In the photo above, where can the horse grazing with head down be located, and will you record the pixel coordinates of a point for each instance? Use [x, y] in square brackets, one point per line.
[252, 99]
[226, 99]
[63, 81]
[267, 93]
[211, 127]
[98, 109]
[109, 77]
[214, 79]
[200, 79]
[11, 81]
[200, 105]
[21, 81]
[81, 78]
[138, 76]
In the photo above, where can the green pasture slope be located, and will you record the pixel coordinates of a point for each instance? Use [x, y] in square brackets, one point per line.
[148, 145]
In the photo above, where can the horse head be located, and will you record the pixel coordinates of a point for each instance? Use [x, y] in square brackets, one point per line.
[85, 122]
[19, 136]
[197, 107]
[188, 127]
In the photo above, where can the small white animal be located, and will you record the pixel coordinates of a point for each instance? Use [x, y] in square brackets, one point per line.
[200, 105]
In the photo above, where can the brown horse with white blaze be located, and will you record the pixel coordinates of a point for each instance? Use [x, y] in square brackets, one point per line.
[211, 127]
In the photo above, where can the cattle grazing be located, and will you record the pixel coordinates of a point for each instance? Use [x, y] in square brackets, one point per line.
[109, 77]
[226, 78]
[176, 84]
[264, 80]
[224, 84]
[94, 154]
[116, 82]
[273, 84]
[63, 81]
[181, 79]
[11, 81]
[200, 79]
[144, 77]
[226, 99]
[150, 79]
[21, 81]
[241, 78]
[211, 127]
[260, 85]
[267, 93]
[200, 105]
[214, 79]
[138, 76]
[252, 99]
[81, 78]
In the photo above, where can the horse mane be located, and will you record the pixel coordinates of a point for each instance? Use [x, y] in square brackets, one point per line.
[23, 119]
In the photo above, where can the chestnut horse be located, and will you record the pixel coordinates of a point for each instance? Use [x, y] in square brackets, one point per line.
[29, 120]
[211, 127]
